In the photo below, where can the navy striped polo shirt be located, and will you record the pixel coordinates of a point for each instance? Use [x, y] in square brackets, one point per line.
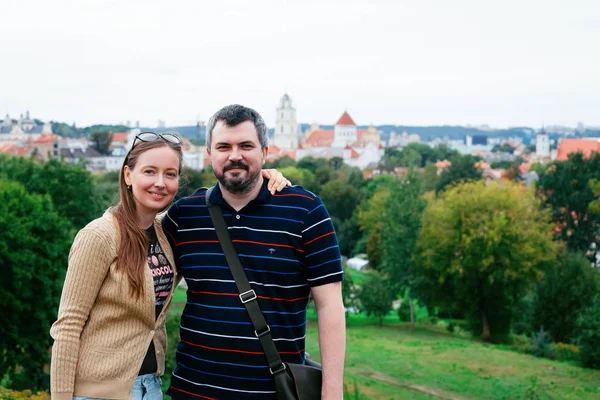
[287, 244]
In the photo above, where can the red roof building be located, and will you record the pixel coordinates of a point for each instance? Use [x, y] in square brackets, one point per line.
[345, 119]
[585, 146]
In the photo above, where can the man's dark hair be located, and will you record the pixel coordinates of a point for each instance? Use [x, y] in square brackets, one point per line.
[234, 115]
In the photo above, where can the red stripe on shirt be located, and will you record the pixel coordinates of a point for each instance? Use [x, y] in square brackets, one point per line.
[317, 238]
[297, 195]
[266, 244]
[198, 241]
[190, 393]
[238, 351]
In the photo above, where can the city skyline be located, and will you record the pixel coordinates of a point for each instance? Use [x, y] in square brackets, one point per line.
[461, 63]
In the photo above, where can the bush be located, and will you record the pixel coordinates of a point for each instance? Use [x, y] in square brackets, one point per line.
[589, 336]
[540, 344]
[7, 394]
[573, 281]
[521, 343]
[172, 326]
[404, 311]
[565, 352]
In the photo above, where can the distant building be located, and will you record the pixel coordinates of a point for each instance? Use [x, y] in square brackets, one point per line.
[585, 146]
[286, 129]
[23, 129]
[359, 148]
[542, 144]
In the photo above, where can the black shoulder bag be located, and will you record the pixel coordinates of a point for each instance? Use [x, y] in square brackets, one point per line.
[292, 381]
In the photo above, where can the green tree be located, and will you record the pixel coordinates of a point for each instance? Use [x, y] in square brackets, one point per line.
[312, 164]
[589, 335]
[376, 295]
[400, 228]
[299, 176]
[335, 163]
[34, 245]
[485, 245]
[462, 170]
[101, 141]
[566, 291]
[340, 198]
[69, 185]
[567, 191]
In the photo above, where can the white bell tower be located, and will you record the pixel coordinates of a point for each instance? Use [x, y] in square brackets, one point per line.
[286, 130]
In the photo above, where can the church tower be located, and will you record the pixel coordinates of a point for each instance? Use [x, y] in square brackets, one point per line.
[345, 131]
[286, 130]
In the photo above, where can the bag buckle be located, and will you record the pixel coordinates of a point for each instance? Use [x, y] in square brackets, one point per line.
[247, 296]
[278, 370]
[263, 333]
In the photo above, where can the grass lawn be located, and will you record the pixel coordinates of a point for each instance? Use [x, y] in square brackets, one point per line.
[393, 363]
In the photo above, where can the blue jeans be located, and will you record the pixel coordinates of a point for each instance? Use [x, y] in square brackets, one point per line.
[145, 387]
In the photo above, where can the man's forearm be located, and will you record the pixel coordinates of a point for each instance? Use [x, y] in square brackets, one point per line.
[332, 341]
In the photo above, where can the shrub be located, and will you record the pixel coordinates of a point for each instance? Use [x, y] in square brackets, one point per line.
[565, 352]
[25, 394]
[521, 343]
[589, 336]
[404, 311]
[540, 344]
[573, 282]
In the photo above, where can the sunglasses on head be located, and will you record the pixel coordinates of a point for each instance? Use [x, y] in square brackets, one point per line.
[152, 136]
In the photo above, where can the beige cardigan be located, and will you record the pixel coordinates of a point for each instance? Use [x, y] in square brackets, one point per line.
[102, 335]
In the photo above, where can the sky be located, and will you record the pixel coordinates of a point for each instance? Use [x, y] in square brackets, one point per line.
[429, 62]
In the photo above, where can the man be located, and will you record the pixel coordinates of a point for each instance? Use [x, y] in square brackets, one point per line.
[288, 247]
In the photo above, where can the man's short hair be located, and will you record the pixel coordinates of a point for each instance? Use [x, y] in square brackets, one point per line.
[234, 115]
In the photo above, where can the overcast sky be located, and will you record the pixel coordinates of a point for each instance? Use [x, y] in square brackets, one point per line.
[502, 63]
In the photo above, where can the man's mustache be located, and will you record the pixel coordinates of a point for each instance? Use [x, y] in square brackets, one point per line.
[236, 164]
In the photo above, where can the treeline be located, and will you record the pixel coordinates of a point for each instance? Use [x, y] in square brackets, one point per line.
[502, 258]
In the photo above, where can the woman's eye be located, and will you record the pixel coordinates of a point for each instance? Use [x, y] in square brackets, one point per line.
[148, 171]
[172, 175]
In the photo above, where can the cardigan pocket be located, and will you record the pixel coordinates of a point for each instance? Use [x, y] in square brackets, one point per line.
[100, 364]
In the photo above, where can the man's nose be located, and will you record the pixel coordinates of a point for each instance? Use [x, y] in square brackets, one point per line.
[235, 155]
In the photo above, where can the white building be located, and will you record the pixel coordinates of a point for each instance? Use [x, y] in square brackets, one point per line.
[286, 128]
[345, 132]
[542, 145]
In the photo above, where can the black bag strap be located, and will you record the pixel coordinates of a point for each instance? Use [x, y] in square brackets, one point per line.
[247, 294]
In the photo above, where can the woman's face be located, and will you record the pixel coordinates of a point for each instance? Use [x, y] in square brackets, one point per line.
[154, 180]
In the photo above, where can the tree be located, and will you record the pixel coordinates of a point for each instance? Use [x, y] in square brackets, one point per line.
[485, 245]
[69, 185]
[299, 176]
[589, 335]
[34, 245]
[565, 185]
[376, 295]
[340, 199]
[566, 291]
[369, 216]
[312, 164]
[101, 141]
[462, 170]
[399, 231]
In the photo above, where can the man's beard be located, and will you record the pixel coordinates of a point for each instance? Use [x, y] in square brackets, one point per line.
[238, 184]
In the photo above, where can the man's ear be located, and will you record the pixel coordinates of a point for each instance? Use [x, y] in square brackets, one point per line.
[265, 154]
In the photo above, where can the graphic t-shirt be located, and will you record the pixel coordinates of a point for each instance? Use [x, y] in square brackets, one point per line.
[163, 282]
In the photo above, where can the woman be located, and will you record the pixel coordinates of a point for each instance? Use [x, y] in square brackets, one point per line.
[110, 338]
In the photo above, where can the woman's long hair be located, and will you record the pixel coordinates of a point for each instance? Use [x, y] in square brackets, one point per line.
[133, 247]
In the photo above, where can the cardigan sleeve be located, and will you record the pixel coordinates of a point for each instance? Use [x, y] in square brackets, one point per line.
[89, 260]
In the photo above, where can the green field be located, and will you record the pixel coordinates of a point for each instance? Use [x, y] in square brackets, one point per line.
[431, 363]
